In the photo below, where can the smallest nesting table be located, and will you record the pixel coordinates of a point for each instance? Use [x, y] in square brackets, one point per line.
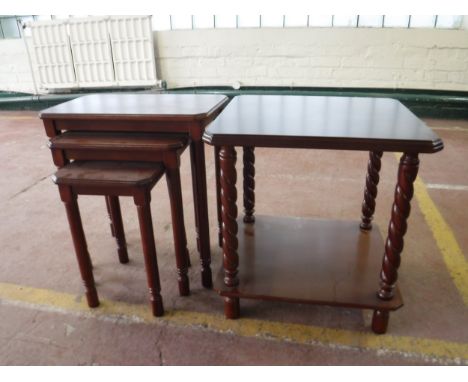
[316, 261]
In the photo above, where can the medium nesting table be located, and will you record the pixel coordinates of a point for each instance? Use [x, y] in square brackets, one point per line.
[186, 114]
[325, 262]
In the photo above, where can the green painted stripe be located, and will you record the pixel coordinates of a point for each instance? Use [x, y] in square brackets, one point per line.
[424, 103]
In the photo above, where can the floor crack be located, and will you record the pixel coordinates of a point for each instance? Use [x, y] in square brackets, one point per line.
[161, 363]
[29, 187]
[157, 345]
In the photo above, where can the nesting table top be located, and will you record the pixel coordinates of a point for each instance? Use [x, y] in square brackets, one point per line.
[354, 123]
[137, 106]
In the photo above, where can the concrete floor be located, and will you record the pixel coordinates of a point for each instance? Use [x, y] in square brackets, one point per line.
[43, 319]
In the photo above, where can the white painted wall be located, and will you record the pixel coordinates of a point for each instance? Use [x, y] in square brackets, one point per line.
[342, 57]
[328, 57]
[15, 71]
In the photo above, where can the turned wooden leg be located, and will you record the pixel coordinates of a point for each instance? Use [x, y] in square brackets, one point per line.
[218, 196]
[178, 228]
[227, 156]
[249, 184]
[197, 152]
[370, 192]
[380, 321]
[193, 160]
[117, 224]
[79, 242]
[149, 251]
[231, 307]
[111, 223]
[407, 172]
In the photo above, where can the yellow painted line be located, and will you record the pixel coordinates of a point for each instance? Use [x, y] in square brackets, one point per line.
[429, 349]
[454, 128]
[16, 117]
[449, 187]
[446, 241]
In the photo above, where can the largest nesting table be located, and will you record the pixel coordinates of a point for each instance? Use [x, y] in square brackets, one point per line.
[328, 262]
[186, 114]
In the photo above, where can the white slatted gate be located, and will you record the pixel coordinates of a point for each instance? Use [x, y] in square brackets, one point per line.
[51, 48]
[92, 56]
[133, 50]
[110, 51]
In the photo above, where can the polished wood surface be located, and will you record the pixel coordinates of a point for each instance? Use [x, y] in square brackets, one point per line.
[370, 191]
[347, 123]
[228, 158]
[180, 238]
[180, 107]
[308, 261]
[109, 215]
[118, 228]
[112, 146]
[142, 202]
[114, 179]
[115, 146]
[186, 114]
[401, 208]
[197, 155]
[69, 199]
[249, 183]
[380, 321]
[117, 141]
[219, 212]
[113, 174]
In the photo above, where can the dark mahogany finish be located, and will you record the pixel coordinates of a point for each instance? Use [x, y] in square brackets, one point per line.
[228, 159]
[218, 196]
[319, 269]
[145, 143]
[149, 107]
[370, 192]
[134, 179]
[111, 224]
[186, 114]
[117, 227]
[407, 173]
[69, 200]
[341, 123]
[249, 184]
[144, 147]
[380, 321]
[317, 261]
[249, 188]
